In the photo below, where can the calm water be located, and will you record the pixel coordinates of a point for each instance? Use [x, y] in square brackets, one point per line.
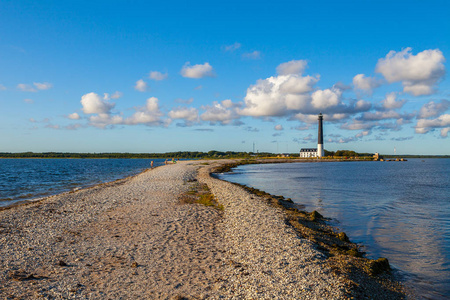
[24, 179]
[398, 210]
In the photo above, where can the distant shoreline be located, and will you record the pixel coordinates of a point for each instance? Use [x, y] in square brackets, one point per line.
[191, 155]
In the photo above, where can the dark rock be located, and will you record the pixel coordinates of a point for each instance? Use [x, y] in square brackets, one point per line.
[134, 265]
[343, 237]
[379, 266]
[179, 297]
[21, 275]
[62, 263]
[315, 216]
[354, 252]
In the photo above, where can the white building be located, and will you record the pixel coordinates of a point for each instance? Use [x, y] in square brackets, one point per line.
[308, 152]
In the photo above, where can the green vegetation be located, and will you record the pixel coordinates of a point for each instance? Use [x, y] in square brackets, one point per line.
[201, 194]
[181, 154]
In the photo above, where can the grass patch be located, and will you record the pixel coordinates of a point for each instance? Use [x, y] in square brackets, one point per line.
[201, 194]
[207, 200]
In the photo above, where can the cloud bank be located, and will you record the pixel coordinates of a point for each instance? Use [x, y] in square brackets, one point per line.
[418, 74]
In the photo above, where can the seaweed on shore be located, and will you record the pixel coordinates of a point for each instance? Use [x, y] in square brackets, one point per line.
[227, 167]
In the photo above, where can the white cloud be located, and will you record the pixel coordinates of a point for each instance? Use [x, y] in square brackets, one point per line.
[152, 104]
[425, 125]
[444, 132]
[293, 95]
[143, 117]
[2, 87]
[273, 96]
[278, 127]
[296, 84]
[155, 75]
[74, 116]
[94, 104]
[29, 101]
[43, 85]
[323, 99]
[38, 86]
[390, 101]
[141, 85]
[292, 67]
[362, 105]
[231, 48]
[432, 109]
[358, 125]
[418, 73]
[228, 103]
[150, 114]
[116, 95]
[252, 55]
[26, 87]
[220, 113]
[102, 120]
[197, 71]
[366, 84]
[381, 115]
[363, 133]
[184, 113]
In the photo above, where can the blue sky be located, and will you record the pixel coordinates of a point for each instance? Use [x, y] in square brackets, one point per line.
[151, 76]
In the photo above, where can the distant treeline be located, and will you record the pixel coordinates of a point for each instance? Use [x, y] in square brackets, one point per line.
[196, 155]
[346, 153]
[180, 154]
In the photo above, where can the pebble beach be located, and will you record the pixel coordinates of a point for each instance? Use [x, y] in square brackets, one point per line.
[138, 238]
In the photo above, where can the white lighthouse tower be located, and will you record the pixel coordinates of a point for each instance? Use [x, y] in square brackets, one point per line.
[320, 152]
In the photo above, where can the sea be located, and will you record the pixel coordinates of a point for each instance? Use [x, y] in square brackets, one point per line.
[33, 179]
[398, 210]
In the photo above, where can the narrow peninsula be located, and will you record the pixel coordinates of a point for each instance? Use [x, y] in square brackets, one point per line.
[176, 232]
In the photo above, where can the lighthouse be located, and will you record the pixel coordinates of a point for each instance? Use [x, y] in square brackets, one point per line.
[315, 152]
[320, 151]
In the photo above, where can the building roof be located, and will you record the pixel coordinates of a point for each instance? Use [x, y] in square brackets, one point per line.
[308, 150]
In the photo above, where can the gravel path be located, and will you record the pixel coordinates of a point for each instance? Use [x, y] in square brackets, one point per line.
[130, 239]
[134, 239]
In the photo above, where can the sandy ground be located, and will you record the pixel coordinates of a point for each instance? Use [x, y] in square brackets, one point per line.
[135, 239]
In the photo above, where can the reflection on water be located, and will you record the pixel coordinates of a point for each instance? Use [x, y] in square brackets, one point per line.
[398, 210]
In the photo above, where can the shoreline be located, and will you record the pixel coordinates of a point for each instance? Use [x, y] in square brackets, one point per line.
[25, 202]
[137, 231]
[335, 244]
